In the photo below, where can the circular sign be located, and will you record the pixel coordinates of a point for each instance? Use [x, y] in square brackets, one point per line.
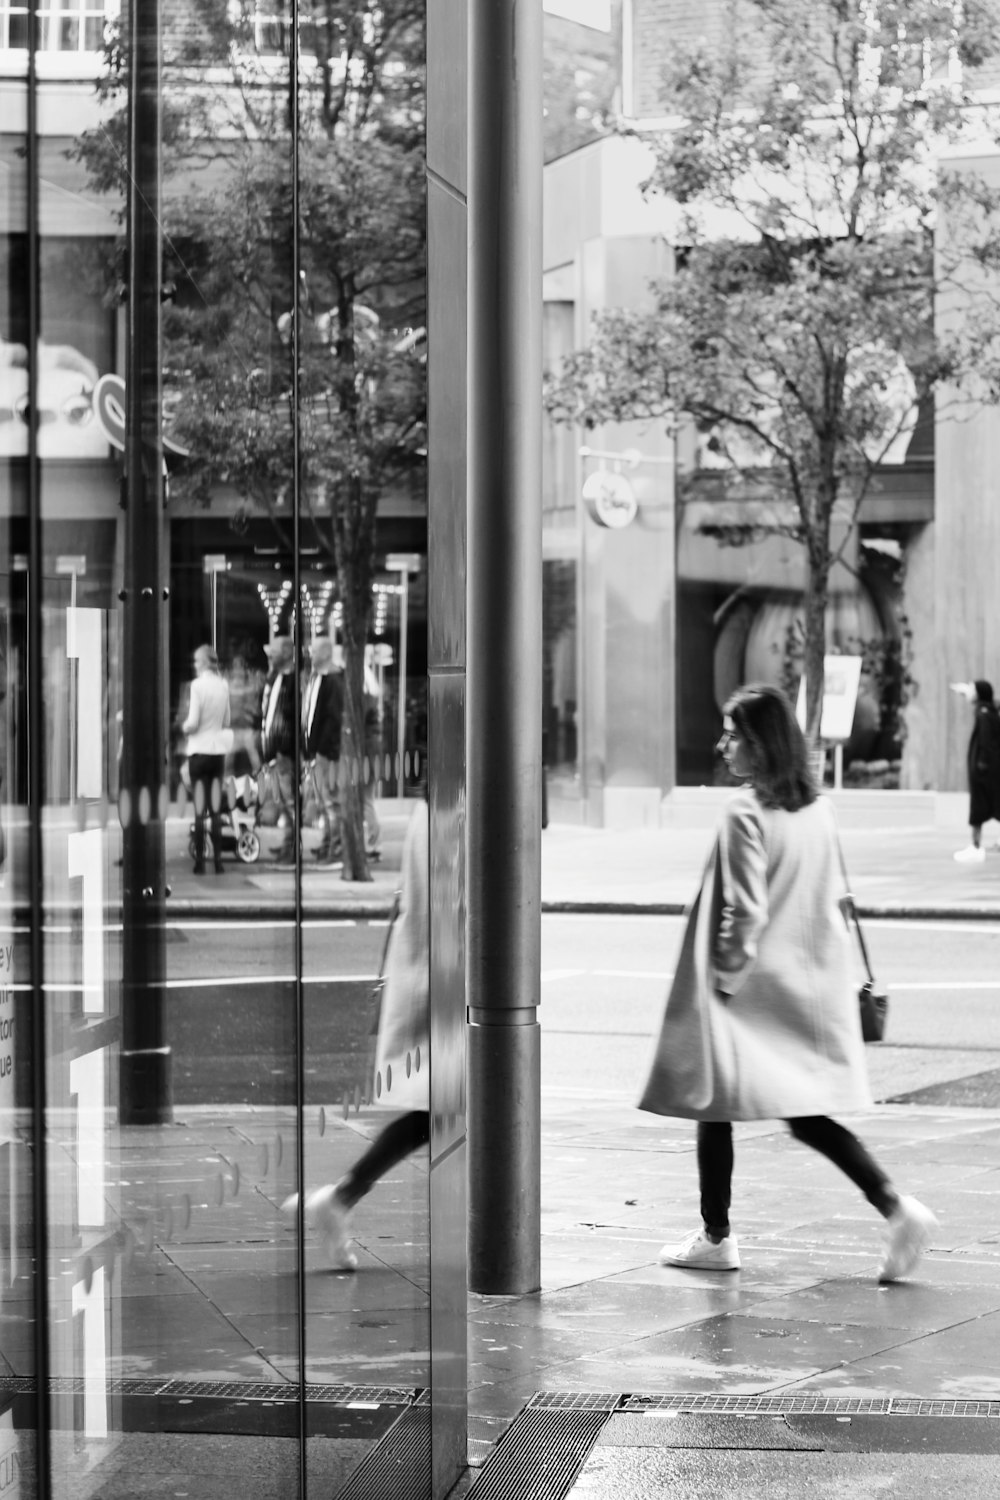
[109, 408]
[610, 499]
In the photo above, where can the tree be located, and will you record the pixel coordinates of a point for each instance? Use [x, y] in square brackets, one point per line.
[321, 388]
[800, 329]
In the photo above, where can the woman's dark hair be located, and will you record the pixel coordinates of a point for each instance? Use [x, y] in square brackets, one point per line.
[984, 690]
[777, 747]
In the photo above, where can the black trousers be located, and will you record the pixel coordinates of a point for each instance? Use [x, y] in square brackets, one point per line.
[206, 788]
[391, 1145]
[715, 1165]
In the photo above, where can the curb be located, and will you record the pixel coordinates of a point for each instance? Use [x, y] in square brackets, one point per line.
[369, 910]
[903, 911]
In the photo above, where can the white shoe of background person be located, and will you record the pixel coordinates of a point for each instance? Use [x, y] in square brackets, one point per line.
[699, 1253]
[328, 1215]
[910, 1230]
[974, 854]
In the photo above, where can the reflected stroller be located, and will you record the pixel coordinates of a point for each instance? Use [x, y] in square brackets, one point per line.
[238, 820]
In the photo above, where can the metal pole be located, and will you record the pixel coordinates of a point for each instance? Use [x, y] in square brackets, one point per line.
[504, 710]
[37, 1019]
[300, 1014]
[145, 1056]
[404, 604]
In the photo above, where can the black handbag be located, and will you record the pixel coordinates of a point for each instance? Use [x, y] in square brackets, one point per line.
[873, 1002]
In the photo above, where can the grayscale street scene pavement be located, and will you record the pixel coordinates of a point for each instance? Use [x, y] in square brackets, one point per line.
[686, 1373]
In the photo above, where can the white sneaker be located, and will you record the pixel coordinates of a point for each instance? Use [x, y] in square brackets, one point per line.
[325, 1213]
[973, 855]
[699, 1253]
[910, 1229]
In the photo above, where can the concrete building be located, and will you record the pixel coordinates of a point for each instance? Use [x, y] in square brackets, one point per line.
[668, 620]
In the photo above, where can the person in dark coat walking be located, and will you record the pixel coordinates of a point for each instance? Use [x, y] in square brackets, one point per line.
[322, 712]
[278, 731]
[983, 761]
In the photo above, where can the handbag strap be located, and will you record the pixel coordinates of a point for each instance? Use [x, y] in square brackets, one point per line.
[852, 908]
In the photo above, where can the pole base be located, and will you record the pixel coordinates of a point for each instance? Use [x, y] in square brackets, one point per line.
[505, 1245]
[146, 1096]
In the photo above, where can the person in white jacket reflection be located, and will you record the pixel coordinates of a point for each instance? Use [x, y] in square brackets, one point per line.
[401, 1061]
[762, 1017]
[209, 740]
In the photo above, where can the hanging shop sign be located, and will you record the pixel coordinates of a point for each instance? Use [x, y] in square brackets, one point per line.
[610, 499]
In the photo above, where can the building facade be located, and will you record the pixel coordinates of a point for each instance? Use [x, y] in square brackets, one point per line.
[669, 618]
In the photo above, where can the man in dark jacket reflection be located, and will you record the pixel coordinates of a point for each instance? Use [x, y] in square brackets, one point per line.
[322, 711]
[278, 730]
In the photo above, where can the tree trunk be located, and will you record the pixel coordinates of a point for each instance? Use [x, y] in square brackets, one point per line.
[352, 743]
[814, 648]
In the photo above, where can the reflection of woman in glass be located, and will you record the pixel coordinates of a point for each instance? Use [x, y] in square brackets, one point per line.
[246, 684]
[208, 740]
[401, 1063]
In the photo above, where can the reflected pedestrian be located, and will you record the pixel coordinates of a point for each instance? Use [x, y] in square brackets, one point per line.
[322, 712]
[246, 683]
[278, 731]
[208, 741]
[373, 759]
[401, 1062]
[762, 1017]
[983, 765]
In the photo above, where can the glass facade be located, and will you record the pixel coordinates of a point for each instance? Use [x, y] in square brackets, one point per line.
[213, 762]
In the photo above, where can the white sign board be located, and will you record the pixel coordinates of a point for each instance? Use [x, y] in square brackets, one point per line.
[841, 679]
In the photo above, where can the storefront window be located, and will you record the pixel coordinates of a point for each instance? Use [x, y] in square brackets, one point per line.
[213, 737]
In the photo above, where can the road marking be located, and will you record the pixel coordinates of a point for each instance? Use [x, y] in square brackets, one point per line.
[902, 924]
[658, 974]
[241, 980]
[935, 984]
[557, 974]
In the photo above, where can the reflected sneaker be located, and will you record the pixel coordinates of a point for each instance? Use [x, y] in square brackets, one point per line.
[325, 1213]
[910, 1229]
[699, 1253]
[970, 856]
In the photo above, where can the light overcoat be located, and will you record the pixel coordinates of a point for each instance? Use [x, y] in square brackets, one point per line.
[762, 1020]
[401, 1054]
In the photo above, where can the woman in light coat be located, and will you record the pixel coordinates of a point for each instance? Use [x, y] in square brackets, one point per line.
[401, 1057]
[762, 1017]
[209, 740]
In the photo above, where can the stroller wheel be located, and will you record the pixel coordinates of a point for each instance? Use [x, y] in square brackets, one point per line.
[248, 846]
[192, 850]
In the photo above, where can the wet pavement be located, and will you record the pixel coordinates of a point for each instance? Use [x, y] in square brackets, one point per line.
[208, 1265]
[209, 1294]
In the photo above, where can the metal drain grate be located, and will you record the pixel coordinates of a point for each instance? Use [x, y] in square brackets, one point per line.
[541, 1453]
[221, 1390]
[577, 1400]
[396, 1468]
[787, 1406]
[483, 1435]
